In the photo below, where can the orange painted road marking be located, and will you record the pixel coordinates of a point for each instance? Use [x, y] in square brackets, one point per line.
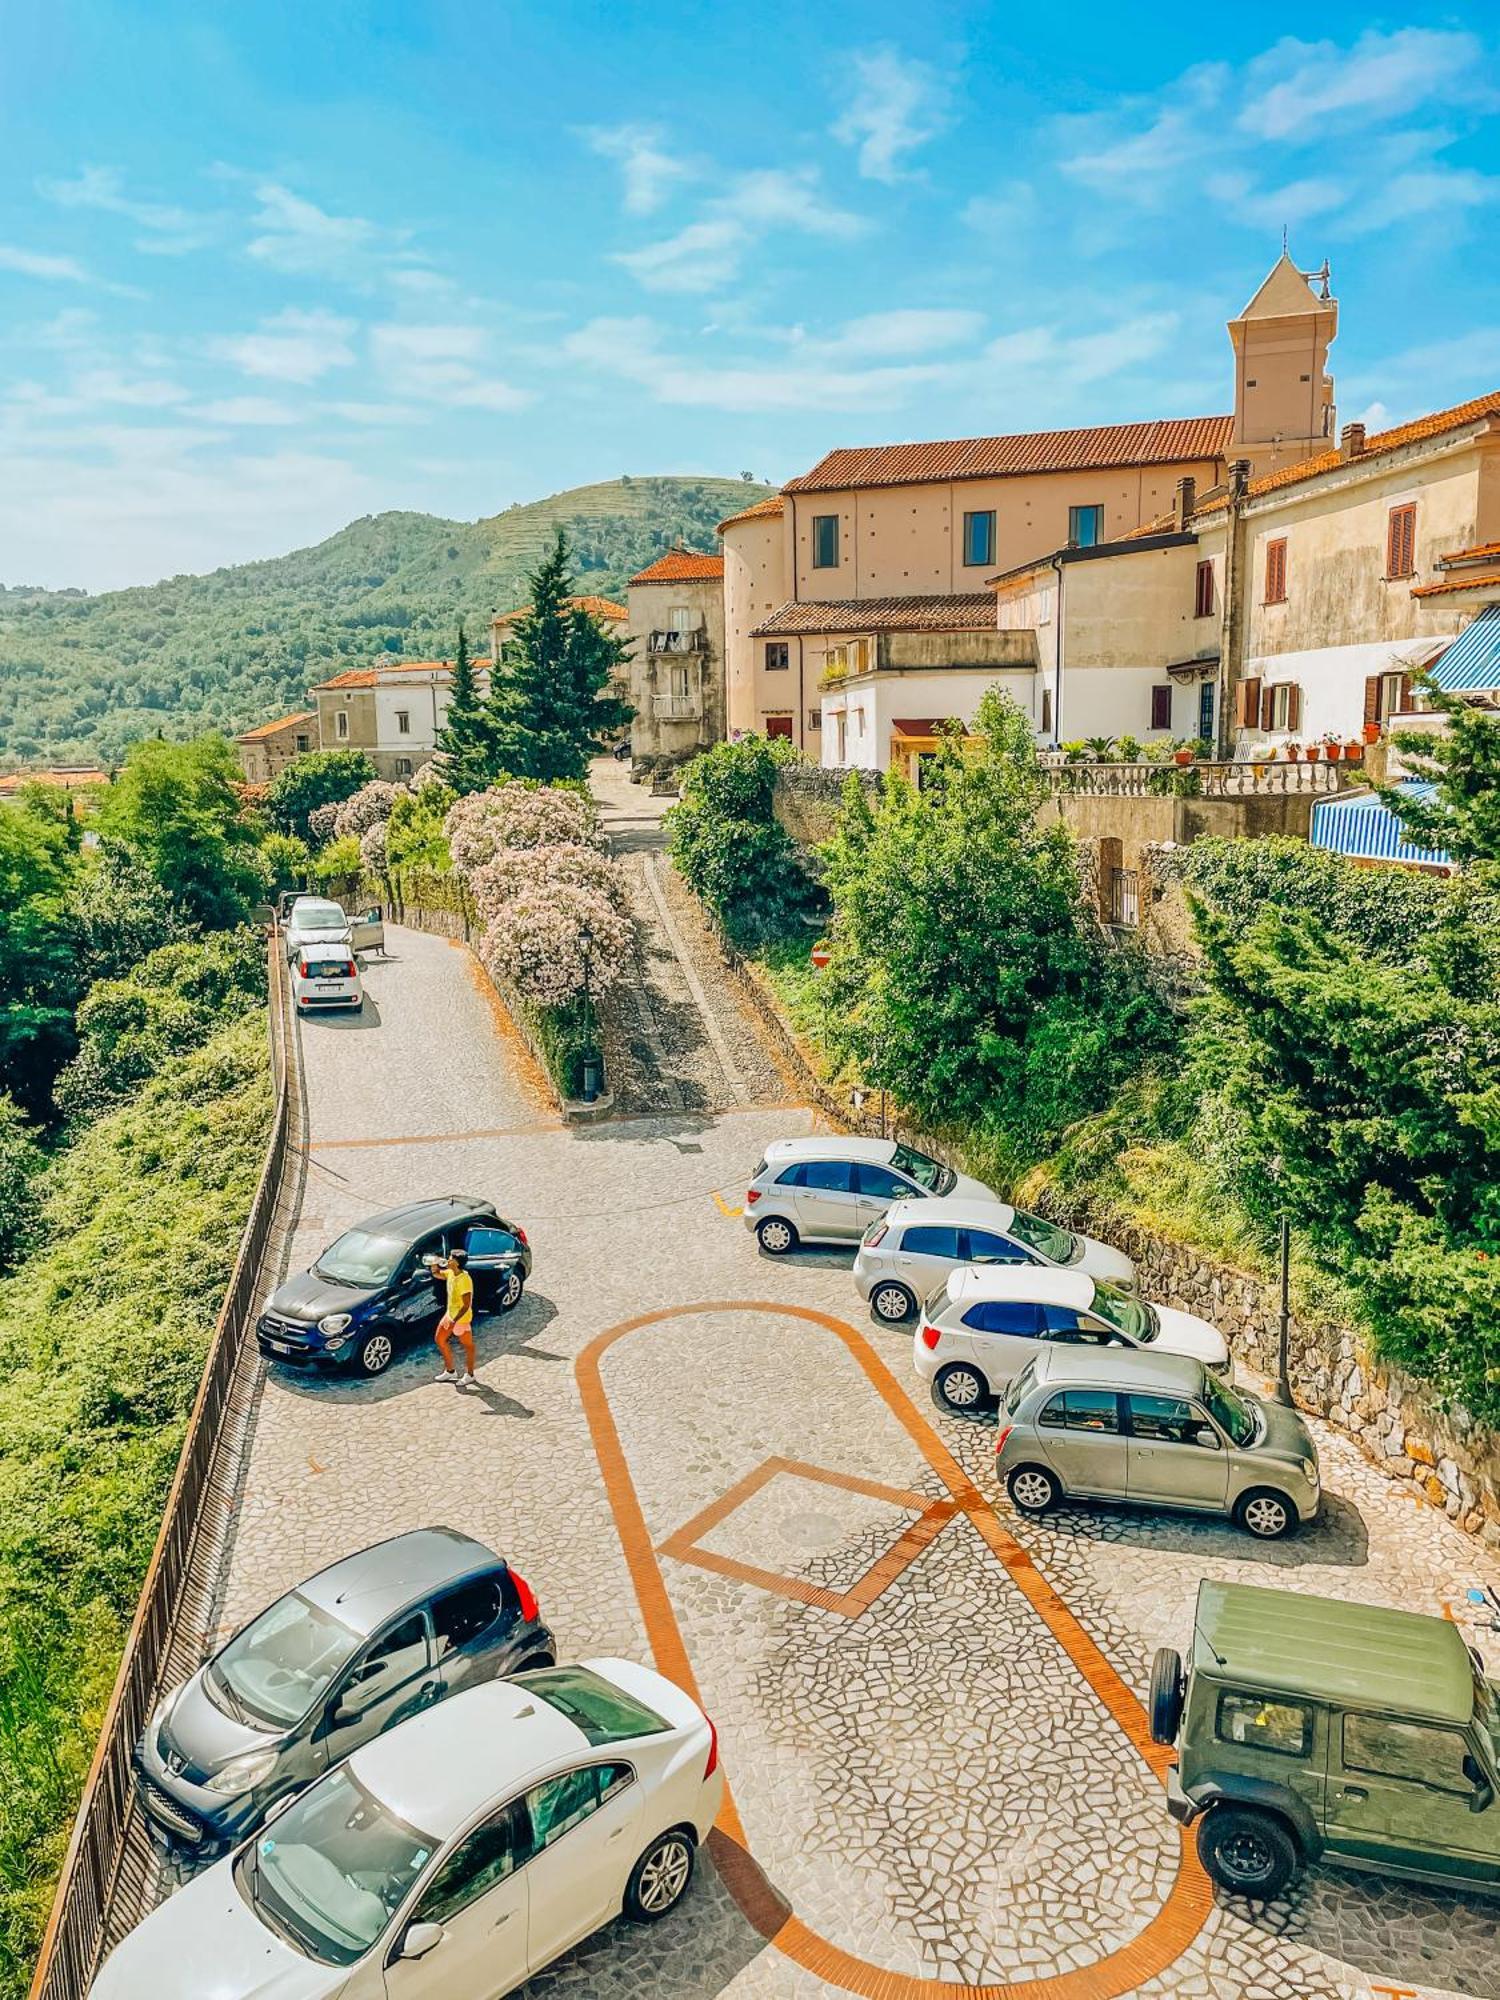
[1163, 1939]
[723, 1206]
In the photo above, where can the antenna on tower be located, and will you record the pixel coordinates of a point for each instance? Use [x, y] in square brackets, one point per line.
[1283, 239]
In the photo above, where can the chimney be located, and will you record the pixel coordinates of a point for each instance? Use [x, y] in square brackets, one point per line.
[1352, 441]
[1239, 478]
[1182, 509]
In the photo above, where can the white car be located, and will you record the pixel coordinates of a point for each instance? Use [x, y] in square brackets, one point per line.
[453, 1857]
[326, 975]
[319, 920]
[983, 1324]
[830, 1189]
[914, 1247]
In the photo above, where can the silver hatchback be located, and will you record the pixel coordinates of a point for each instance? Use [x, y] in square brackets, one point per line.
[1154, 1430]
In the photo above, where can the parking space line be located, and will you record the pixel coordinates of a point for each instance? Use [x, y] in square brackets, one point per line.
[723, 1206]
[1163, 1939]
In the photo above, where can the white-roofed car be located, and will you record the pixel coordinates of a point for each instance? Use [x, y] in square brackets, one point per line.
[983, 1324]
[326, 975]
[454, 1857]
[912, 1248]
[830, 1189]
[319, 920]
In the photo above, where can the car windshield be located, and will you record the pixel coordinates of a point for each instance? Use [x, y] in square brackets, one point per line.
[282, 1662]
[1058, 1246]
[318, 916]
[331, 1872]
[1129, 1316]
[1234, 1416]
[927, 1172]
[605, 1713]
[358, 1258]
[1487, 1708]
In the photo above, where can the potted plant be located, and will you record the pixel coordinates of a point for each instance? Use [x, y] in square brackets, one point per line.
[1075, 752]
[1128, 750]
[1333, 748]
[1291, 752]
[1182, 753]
[1100, 748]
[1372, 732]
[1353, 751]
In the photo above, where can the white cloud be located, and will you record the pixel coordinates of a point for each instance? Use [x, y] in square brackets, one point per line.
[1001, 216]
[371, 413]
[699, 258]
[169, 230]
[442, 364]
[292, 346]
[1296, 89]
[648, 171]
[707, 254]
[258, 410]
[1435, 188]
[901, 333]
[106, 385]
[1277, 208]
[898, 106]
[298, 236]
[771, 198]
[39, 264]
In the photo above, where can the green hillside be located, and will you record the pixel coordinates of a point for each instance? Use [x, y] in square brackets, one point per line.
[80, 677]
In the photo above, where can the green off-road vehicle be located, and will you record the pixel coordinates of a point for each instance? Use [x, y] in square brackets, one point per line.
[1311, 1730]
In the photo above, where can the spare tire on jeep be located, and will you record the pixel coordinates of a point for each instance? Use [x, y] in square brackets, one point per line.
[1164, 1702]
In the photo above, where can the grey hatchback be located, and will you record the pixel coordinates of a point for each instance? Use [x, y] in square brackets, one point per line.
[1156, 1430]
[346, 1655]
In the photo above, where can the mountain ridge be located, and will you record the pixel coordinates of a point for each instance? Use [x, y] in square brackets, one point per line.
[83, 676]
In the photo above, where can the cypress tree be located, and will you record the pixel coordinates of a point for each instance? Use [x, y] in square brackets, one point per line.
[466, 742]
[548, 711]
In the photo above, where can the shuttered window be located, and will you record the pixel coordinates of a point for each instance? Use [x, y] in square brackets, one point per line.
[1247, 704]
[1281, 706]
[1203, 591]
[1401, 541]
[1276, 572]
[1161, 707]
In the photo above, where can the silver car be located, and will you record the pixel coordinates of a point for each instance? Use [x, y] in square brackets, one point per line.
[318, 920]
[830, 1189]
[1155, 1430]
[913, 1248]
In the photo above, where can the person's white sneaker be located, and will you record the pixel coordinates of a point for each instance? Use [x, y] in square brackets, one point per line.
[467, 1382]
[446, 1375]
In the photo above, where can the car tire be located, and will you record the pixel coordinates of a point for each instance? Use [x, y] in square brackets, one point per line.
[535, 1664]
[961, 1387]
[509, 1295]
[1248, 1852]
[1265, 1513]
[891, 1303]
[1164, 1702]
[1032, 1489]
[659, 1880]
[776, 1236]
[375, 1353]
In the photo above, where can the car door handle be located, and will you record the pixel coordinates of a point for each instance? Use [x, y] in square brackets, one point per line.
[617, 1832]
[1354, 1793]
[502, 1920]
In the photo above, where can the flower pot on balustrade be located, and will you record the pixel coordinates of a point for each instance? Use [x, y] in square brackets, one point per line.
[1332, 752]
[1354, 753]
[1182, 756]
[1291, 752]
[1372, 732]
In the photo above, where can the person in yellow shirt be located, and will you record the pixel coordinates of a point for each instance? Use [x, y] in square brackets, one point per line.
[457, 1319]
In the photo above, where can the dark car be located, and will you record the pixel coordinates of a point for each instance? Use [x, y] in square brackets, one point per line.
[371, 1293]
[348, 1654]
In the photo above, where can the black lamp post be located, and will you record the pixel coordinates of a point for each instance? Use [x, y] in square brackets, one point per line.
[591, 1065]
[1283, 1339]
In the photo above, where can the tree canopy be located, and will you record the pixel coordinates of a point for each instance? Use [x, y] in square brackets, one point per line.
[316, 778]
[175, 806]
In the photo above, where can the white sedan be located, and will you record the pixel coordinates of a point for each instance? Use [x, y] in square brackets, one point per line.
[454, 1857]
[984, 1323]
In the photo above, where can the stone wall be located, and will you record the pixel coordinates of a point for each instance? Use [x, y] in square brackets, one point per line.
[807, 800]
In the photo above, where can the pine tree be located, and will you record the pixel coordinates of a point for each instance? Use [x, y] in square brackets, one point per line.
[466, 741]
[548, 710]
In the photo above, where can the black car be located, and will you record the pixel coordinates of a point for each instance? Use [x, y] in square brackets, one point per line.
[371, 1293]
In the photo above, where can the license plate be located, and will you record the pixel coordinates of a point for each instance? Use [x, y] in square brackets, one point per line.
[281, 1347]
[329, 989]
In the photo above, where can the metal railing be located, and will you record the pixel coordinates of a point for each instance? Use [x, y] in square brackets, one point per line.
[694, 640]
[1124, 898]
[1237, 779]
[109, 1871]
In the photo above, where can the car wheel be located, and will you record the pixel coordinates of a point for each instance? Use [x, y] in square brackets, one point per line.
[1032, 1489]
[961, 1387]
[534, 1664]
[1266, 1514]
[659, 1880]
[1164, 1702]
[776, 1236]
[892, 1303]
[509, 1295]
[1248, 1852]
[374, 1353]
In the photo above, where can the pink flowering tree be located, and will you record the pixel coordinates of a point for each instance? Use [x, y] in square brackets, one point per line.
[517, 815]
[369, 806]
[536, 943]
[515, 870]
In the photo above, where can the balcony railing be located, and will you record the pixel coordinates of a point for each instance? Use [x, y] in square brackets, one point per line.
[676, 707]
[1234, 779]
[695, 641]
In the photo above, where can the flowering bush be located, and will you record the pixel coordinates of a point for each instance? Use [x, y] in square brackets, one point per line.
[372, 847]
[535, 943]
[369, 806]
[516, 869]
[321, 823]
[516, 815]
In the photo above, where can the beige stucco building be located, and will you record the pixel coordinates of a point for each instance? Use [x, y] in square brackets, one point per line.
[266, 751]
[1283, 393]
[676, 634]
[392, 711]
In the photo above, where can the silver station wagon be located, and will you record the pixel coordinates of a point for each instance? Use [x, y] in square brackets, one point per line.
[1155, 1430]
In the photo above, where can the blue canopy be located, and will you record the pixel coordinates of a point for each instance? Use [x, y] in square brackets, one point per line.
[1471, 664]
[1362, 828]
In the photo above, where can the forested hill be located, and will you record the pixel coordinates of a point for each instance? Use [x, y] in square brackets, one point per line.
[80, 677]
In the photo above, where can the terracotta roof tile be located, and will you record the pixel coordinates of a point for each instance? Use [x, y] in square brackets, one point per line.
[281, 722]
[1488, 580]
[1174, 441]
[763, 510]
[681, 566]
[352, 677]
[1479, 553]
[596, 607]
[972, 612]
[1434, 425]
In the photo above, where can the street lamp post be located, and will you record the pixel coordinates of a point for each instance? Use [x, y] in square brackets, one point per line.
[1283, 1339]
[590, 1055]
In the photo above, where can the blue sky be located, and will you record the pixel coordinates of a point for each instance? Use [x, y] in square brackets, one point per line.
[264, 268]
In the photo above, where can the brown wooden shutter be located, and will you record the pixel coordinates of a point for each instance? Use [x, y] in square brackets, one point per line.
[1372, 698]
[1294, 708]
[1267, 707]
[1247, 703]
[1403, 704]
[1401, 542]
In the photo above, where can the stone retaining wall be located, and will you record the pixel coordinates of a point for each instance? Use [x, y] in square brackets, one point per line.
[807, 800]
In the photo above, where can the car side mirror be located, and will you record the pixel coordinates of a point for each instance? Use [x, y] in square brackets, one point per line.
[275, 1812]
[1483, 1795]
[420, 1939]
[1207, 1437]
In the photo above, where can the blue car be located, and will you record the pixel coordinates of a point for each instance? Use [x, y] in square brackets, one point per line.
[370, 1294]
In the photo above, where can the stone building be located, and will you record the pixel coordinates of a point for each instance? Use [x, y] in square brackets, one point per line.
[676, 631]
[269, 749]
[392, 711]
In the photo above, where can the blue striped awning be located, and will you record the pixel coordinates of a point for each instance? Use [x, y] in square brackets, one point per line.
[1360, 827]
[1471, 664]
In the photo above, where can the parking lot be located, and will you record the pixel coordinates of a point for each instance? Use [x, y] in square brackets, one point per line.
[930, 1708]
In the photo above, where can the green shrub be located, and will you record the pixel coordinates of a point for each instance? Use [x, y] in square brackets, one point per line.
[730, 847]
[20, 1164]
[103, 1330]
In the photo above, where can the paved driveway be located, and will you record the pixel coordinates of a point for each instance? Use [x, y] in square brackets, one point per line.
[929, 1709]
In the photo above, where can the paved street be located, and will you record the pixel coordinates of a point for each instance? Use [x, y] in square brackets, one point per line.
[929, 1709]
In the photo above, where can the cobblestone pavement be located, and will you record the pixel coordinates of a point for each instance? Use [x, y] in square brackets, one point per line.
[939, 1775]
